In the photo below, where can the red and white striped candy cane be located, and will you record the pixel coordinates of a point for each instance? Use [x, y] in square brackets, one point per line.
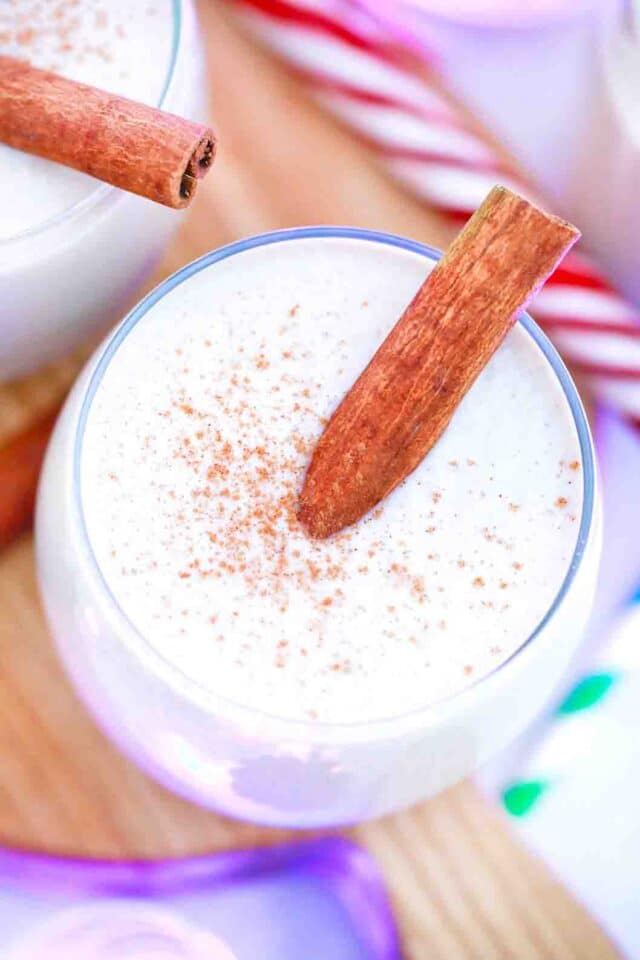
[371, 83]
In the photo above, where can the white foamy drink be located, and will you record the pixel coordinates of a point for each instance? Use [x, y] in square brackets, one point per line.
[194, 451]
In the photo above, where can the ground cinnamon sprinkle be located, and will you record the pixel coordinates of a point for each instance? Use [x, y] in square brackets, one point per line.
[405, 606]
[253, 488]
[49, 35]
[245, 486]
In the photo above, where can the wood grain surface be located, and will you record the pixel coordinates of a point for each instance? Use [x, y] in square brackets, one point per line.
[462, 885]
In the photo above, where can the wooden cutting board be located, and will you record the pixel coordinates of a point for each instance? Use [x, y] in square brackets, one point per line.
[462, 885]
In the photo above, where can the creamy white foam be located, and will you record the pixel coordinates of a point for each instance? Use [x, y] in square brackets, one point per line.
[119, 46]
[196, 443]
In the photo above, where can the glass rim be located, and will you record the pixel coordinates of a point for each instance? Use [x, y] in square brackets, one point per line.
[169, 671]
[103, 192]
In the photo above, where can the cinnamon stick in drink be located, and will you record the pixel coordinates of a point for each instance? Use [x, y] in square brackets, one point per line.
[128, 144]
[403, 401]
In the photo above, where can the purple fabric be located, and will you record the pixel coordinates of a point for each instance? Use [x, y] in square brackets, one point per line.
[321, 900]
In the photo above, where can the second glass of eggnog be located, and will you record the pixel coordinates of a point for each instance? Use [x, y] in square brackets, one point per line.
[74, 251]
[276, 678]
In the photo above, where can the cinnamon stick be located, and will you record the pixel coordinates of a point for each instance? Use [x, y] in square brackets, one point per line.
[128, 144]
[20, 462]
[403, 401]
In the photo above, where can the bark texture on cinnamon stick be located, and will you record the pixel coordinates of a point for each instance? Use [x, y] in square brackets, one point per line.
[404, 399]
[127, 144]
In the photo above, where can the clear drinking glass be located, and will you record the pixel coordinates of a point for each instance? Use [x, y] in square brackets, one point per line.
[63, 281]
[247, 763]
